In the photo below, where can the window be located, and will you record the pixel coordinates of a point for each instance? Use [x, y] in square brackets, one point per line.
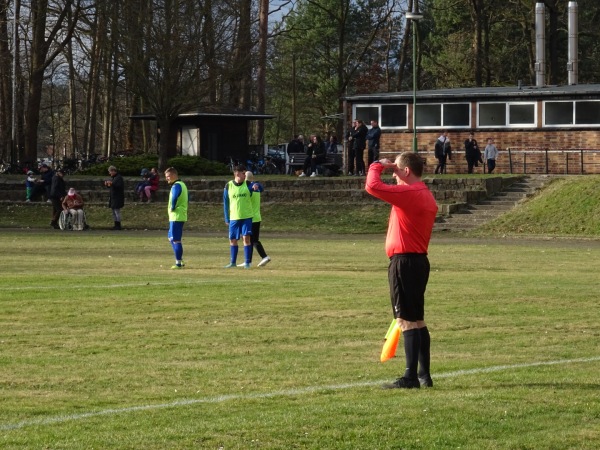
[388, 116]
[587, 113]
[506, 114]
[366, 113]
[457, 115]
[521, 114]
[571, 113]
[443, 115]
[492, 114]
[429, 116]
[558, 113]
[393, 116]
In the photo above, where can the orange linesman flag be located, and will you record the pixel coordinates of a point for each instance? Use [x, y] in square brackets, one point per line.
[391, 342]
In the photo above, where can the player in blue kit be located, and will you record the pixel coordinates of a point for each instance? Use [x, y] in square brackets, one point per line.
[238, 210]
[177, 210]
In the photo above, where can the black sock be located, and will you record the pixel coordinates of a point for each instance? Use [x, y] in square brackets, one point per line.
[424, 352]
[412, 343]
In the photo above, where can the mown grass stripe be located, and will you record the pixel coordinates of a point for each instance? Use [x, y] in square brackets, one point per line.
[284, 393]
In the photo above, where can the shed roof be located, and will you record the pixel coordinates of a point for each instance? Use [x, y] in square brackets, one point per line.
[489, 93]
[213, 112]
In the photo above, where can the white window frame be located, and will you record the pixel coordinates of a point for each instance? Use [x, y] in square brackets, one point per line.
[442, 120]
[582, 125]
[566, 125]
[378, 106]
[406, 127]
[507, 115]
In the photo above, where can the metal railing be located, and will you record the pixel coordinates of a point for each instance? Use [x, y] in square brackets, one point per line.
[527, 160]
[566, 161]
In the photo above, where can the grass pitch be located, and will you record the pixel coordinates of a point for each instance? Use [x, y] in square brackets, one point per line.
[102, 346]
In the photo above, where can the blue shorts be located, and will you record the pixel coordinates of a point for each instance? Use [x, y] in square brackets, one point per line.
[175, 231]
[238, 228]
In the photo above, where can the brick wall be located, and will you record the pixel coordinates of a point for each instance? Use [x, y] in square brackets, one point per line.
[534, 161]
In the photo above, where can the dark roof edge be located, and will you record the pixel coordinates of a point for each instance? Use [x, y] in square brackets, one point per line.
[484, 92]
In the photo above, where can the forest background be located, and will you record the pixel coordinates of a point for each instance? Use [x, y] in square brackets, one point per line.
[72, 72]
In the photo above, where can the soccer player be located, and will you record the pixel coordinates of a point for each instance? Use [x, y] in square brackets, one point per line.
[256, 188]
[238, 210]
[409, 231]
[177, 209]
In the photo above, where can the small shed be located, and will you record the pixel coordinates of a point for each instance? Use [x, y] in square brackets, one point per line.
[215, 133]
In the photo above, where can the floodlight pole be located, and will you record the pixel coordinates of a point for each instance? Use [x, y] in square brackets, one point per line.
[414, 18]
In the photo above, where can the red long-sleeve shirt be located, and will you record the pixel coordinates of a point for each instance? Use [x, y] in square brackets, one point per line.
[412, 216]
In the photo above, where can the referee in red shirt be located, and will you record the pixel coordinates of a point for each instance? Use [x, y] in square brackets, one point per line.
[409, 230]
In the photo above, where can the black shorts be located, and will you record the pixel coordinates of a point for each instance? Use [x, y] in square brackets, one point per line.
[408, 275]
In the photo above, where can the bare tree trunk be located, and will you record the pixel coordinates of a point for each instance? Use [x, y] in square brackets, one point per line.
[168, 141]
[91, 108]
[477, 24]
[403, 57]
[40, 45]
[72, 103]
[241, 80]
[208, 45]
[263, 29]
[5, 85]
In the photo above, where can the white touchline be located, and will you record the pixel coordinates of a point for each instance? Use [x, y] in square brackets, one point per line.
[285, 393]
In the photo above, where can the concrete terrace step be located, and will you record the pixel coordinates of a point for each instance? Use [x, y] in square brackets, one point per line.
[474, 215]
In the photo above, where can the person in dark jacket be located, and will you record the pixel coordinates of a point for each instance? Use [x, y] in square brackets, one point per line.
[57, 194]
[315, 155]
[44, 184]
[472, 153]
[358, 143]
[443, 151]
[373, 136]
[117, 195]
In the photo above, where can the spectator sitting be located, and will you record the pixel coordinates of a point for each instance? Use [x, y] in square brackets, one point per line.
[332, 145]
[73, 204]
[315, 155]
[140, 187]
[152, 186]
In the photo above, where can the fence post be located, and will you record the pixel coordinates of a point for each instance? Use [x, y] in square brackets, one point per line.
[581, 159]
[509, 161]
[566, 163]
[546, 152]
[524, 163]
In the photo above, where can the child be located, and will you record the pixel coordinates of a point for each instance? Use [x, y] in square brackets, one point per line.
[29, 185]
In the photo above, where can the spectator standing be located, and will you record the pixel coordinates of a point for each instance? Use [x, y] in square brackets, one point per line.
[490, 154]
[73, 204]
[57, 194]
[116, 199]
[177, 210]
[443, 152]
[256, 189]
[373, 137]
[358, 139]
[237, 207]
[315, 155]
[44, 184]
[409, 230]
[472, 153]
[29, 185]
[296, 145]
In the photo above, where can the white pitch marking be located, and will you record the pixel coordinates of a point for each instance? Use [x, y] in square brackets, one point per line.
[286, 393]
